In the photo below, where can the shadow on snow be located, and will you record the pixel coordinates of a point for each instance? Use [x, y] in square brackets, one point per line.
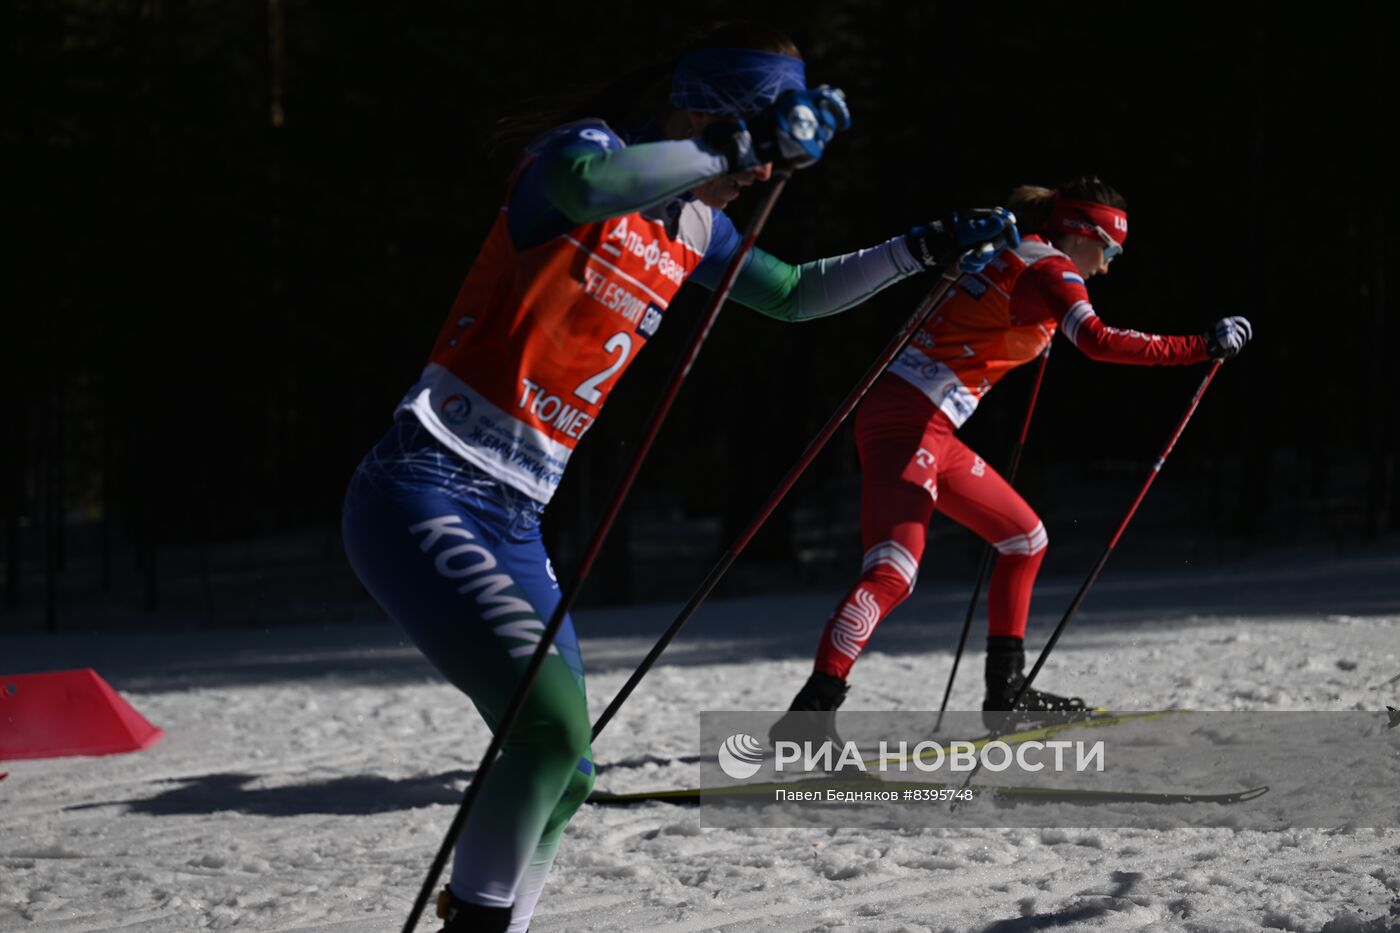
[360, 795]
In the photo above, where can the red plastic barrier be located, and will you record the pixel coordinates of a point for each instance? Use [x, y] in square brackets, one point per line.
[59, 713]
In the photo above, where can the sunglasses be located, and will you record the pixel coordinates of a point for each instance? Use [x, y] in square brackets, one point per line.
[1111, 249]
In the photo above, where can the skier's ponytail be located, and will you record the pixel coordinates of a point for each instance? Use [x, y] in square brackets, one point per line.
[1031, 205]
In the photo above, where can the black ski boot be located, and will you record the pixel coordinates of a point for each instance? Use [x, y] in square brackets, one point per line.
[1006, 662]
[812, 715]
[465, 917]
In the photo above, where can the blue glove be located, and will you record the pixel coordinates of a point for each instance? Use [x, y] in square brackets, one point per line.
[1227, 338]
[794, 130]
[791, 133]
[972, 238]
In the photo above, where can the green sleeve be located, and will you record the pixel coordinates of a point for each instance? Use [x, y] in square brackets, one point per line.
[821, 287]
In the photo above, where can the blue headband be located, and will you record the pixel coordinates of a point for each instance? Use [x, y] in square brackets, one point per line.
[734, 81]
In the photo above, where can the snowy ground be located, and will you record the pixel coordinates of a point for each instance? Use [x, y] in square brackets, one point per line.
[307, 775]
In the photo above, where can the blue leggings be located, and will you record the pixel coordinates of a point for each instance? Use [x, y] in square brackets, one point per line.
[456, 559]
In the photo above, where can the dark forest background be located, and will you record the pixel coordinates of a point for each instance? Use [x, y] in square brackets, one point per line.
[235, 228]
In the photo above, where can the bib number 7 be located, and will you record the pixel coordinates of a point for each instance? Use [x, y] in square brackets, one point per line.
[619, 343]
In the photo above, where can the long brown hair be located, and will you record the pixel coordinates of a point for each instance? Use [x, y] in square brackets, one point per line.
[635, 97]
[1031, 203]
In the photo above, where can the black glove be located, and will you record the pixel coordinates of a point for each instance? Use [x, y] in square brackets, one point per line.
[1228, 337]
[972, 237]
[732, 139]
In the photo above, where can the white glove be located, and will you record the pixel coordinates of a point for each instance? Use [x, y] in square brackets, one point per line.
[1228, 337]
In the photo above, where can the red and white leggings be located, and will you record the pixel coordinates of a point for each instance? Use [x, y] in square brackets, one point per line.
[913, 464]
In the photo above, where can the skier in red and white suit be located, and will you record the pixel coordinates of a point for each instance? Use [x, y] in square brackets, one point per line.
[913, 463]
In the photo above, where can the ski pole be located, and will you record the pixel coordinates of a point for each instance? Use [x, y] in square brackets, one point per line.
[989, 552]
[567, 596]
[1113, 542]
[892, 349]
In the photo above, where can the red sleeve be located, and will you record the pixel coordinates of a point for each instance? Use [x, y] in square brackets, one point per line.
[1052, 288]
